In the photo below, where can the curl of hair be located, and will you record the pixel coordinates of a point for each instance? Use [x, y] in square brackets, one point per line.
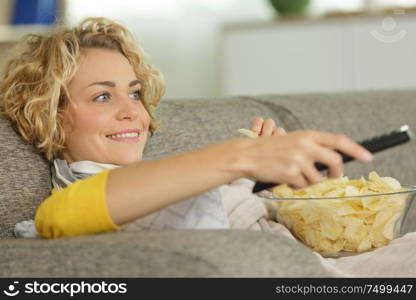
[34, 90]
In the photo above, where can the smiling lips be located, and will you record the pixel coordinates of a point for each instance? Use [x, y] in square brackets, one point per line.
[129, 135]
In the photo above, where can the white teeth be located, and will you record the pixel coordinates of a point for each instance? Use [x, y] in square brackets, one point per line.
[124, 135]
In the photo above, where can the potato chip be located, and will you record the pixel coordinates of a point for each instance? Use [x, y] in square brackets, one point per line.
[346, 223]
[364, 245]
[249, 133]
[393, 183]
[284, 191]
[351, 190]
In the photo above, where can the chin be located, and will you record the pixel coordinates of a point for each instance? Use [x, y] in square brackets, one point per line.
[127, 160]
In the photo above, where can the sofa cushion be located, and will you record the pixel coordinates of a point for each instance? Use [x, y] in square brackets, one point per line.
[195, 253]
[24, 179]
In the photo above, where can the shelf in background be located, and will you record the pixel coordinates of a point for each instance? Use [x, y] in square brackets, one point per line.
[356, 16]
[326, 55]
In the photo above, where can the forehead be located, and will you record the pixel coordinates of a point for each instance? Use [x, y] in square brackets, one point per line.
[98, 64]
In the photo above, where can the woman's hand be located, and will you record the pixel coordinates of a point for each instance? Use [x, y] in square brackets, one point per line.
[266, 127]
[290, 158]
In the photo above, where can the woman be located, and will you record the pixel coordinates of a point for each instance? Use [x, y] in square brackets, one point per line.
[84, 97]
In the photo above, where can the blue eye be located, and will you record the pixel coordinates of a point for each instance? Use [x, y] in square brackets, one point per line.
[135, 95]
[102, 98]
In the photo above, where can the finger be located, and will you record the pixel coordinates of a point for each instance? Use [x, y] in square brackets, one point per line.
[268, 126]
[298, 182]
[345, 145]
[257, 125]
[279, 131]
[336, 171]
[329, 158]
[311, 174]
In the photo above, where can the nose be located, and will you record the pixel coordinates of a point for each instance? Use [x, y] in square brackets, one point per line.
[128, 109]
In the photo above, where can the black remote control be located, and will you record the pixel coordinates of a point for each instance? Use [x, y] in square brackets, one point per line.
[375, 144]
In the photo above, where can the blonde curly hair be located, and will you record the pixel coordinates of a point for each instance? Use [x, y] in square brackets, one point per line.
[34, 90]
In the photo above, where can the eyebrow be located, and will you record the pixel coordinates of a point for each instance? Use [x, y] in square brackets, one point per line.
[113, 84]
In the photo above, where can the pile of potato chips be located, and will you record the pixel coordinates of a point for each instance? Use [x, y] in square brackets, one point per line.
[345, 224]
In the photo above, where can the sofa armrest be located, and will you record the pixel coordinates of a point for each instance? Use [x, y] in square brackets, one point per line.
[182, 253]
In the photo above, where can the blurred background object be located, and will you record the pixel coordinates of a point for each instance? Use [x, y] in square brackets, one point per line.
[35, 11]
[290, 7]
[211, 48]
[5, 11]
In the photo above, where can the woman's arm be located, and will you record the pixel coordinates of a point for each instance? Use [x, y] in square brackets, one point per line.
[142, 188]
[114, 197]
[139, 189]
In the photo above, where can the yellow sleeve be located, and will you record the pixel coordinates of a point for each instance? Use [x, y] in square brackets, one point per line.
[75, 210]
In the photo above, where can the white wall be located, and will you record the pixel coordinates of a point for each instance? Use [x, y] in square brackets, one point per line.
[180, 36]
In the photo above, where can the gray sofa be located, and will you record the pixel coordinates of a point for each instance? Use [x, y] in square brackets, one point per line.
[186, 125]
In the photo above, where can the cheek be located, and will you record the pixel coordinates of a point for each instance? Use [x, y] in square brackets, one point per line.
[92, 123]
[145, 117]
[83, 123]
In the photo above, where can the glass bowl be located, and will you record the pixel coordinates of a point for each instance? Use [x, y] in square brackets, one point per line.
[343, 226]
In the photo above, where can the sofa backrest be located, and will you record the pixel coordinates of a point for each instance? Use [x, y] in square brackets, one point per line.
[24, 180]
[362, 115]
[194, 123]
[199, 122]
